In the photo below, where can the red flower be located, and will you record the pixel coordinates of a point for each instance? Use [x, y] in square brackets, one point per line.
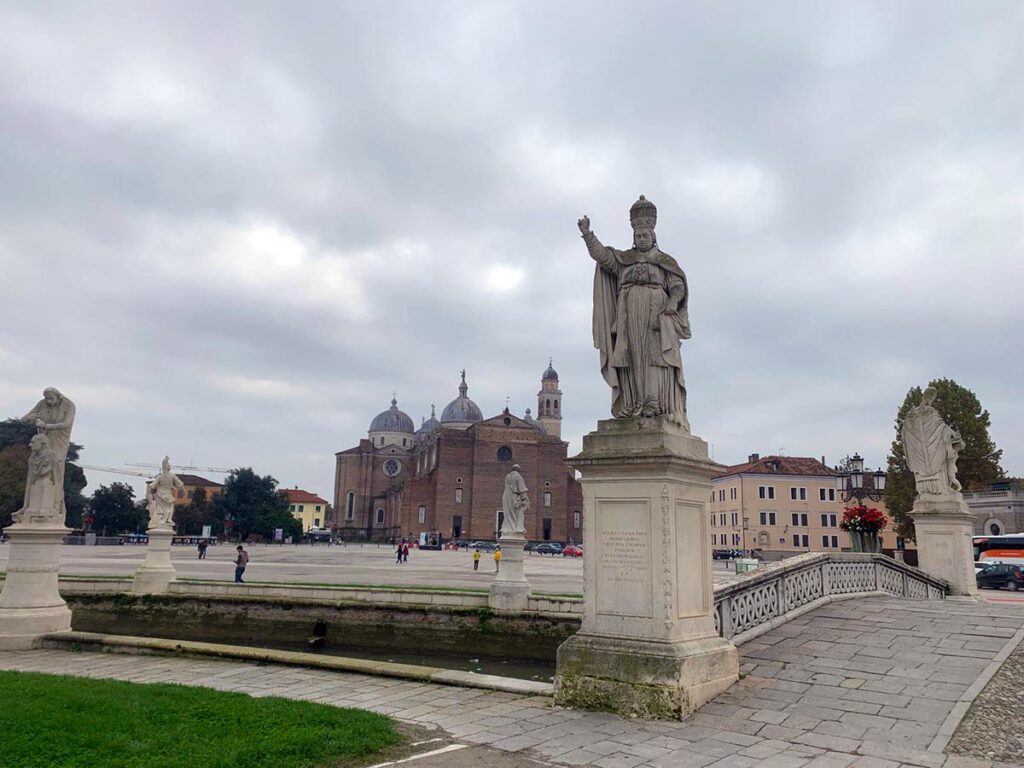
[863, 519]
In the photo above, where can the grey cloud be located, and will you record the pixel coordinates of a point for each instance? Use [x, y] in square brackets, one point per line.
[842, 184]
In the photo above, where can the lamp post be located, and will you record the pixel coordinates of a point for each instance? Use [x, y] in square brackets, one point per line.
[851, 484]
[854, 484]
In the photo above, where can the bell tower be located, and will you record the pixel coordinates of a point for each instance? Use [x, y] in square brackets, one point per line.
[549, 402]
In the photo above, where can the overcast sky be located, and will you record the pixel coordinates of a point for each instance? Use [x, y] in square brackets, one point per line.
[228, 231]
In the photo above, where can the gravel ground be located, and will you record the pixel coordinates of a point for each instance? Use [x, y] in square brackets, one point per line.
[993, 728]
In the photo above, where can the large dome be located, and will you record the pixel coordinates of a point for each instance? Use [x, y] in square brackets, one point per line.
[461, 409]
[392, 420]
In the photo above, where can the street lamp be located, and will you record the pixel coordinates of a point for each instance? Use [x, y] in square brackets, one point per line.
[851, 485]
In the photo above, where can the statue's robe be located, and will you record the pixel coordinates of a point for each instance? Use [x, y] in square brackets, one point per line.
[928, 443]
[512, 503]
[622, 333]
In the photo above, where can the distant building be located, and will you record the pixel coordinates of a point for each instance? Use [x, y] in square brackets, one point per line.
[449, 475]
[998, 507]
[786, 505]
[194, 482]
[778, 505]
[307, 507]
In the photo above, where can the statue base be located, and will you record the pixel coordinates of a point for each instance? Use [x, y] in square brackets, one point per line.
[944, 529]
[648, 646]
[155, 575]
[510, 591]
[30, 603]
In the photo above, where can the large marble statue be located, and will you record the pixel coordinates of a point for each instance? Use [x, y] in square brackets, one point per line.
[640, 317]
[160, 497]
[932, 448]
[40, 487]
[54, 416]
[515, 503]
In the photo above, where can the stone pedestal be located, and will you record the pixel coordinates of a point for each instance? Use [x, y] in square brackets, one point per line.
[510, 591]
[156, 573]
[30, 604]
[944, 530]
[648, 645]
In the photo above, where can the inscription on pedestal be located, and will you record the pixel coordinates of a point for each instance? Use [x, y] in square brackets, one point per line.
[624, 558]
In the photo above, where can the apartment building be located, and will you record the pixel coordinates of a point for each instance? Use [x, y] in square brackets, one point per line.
[779, 506]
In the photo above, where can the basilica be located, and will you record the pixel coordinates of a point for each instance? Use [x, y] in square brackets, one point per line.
[448, 475]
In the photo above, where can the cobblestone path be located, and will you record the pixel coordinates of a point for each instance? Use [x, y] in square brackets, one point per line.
[870, 683]
[993, 728]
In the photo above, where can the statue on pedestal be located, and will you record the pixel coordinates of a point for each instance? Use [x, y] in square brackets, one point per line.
[932, 448]
[160, 497]
[640, 317]
[40, 486]
[515, 504]
[54, 416]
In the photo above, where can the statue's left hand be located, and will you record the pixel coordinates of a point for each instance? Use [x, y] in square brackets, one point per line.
[40, 424]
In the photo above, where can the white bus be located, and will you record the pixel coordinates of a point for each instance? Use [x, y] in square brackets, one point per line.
[999, 549]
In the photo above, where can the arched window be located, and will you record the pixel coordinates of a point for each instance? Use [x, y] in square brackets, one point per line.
[350, 505]
[556, 405]
[548, 402]
[380, 517]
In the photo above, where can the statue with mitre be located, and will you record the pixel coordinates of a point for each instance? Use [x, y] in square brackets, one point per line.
[640, 318]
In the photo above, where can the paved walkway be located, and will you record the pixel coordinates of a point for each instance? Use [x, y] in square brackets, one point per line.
[871, 683]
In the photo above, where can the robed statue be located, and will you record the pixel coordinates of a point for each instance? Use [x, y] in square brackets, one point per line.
[53, 417]
[160, 497]
[932, 448]
[514, 504]
[640, 318]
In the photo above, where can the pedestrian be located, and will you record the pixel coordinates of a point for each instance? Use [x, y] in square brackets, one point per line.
[405, 552]
[241, 561]
[497, 559]
[202, 549]
[398, 554]
[476, 559]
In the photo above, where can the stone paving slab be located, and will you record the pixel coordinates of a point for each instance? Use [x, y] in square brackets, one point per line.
[819, 691]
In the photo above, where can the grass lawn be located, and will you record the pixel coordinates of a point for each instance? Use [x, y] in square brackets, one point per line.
[52, 721]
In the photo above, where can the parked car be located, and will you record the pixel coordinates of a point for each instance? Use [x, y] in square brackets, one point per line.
[483, 546]
[1001, 575]
[572, 551]
[548, 548]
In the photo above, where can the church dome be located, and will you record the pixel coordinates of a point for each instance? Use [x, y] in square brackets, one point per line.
[429, 426]
[550, 374]
[461, 409]
[392, 420]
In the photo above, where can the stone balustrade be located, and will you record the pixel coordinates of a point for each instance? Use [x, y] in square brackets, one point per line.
[760, 600]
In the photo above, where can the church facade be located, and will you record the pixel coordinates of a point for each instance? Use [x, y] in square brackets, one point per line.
[448, 475]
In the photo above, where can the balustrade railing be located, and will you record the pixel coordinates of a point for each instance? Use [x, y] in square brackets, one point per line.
[766, 596]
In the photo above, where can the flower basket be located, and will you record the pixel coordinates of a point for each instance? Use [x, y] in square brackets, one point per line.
[863, 524]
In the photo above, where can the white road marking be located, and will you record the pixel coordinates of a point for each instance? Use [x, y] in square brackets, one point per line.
[441, 751]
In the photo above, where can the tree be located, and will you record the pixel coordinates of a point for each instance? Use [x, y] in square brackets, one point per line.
[190, 519]
[251, 505]
[14, 451]
[114, 510]
[979, 460]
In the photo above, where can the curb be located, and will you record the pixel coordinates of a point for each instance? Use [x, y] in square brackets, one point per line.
[93, 641]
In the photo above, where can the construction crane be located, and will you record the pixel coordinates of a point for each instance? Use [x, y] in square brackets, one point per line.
[115, 470]
[192, 467]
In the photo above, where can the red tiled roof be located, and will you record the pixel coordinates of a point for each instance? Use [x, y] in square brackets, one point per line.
[298, 496]
[201, 482]
[781, 465]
